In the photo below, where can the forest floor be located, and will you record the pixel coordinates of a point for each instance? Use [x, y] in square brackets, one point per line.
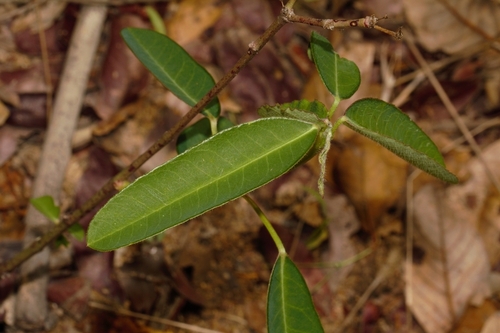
[386, 249]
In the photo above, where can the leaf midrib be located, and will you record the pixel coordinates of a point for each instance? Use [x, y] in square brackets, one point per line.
[158, 65]
[181, 198]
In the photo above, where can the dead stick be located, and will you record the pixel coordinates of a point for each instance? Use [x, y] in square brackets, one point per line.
[56, 153]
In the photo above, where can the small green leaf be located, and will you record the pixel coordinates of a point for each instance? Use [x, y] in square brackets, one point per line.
[340, 76]
[222, 168]
[47, 207]
[289, 304]
[386, 124]
[156, 20]
[77, 231]
[199, 132]
[172, 66]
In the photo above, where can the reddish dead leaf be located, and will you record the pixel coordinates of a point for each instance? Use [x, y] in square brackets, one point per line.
[31, 80]
[72, 294]
[256, 15]
[95, 268]
[9, 140]
[31, 112]
[269, 78]
[98, 171]
[123, 76]
[427, 104]
[56, 36]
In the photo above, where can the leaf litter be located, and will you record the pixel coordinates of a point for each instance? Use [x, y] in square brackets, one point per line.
[227, 265]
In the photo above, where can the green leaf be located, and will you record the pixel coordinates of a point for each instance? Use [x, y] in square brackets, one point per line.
[47, 207]
[156, 20]
[172, 66]
[289, 304]
[76, 230]
[199, 132]
[386, 124]
[340, 76]
[222, 168]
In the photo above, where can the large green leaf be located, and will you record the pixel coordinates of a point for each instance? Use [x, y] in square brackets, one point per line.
[172, 66]
[222, 168]
[289, 305]
[199, 132]
[340, 76]
[387, 125]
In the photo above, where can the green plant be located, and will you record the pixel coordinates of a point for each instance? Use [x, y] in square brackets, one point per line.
[220, 162]
[46, 205]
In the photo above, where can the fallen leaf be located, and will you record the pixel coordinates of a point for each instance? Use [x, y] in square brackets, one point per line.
[438, 29]
[198, 15]
[47, 13]
[454, 268]
[342, 225]
[475, 317]
[492, 324]
[123, 76]
[4, 113]
[372, 177]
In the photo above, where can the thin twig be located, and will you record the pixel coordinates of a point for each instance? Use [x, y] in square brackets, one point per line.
[393, 259]
[451, 109]
[369, 22]
[172, 323]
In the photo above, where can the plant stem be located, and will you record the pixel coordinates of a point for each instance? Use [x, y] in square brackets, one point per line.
[109, 187]
[369, 22]
[337, 124]
[267, 224]
[335, 104]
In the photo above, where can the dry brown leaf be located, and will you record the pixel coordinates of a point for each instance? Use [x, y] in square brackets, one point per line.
[475, 317]
[438, 29]
[4, 113]
[343, 224]
[192, 18]
[478, 202]
[492, 324]
[372, 177]
[468, 215]
[47, 14]
[454, 268]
